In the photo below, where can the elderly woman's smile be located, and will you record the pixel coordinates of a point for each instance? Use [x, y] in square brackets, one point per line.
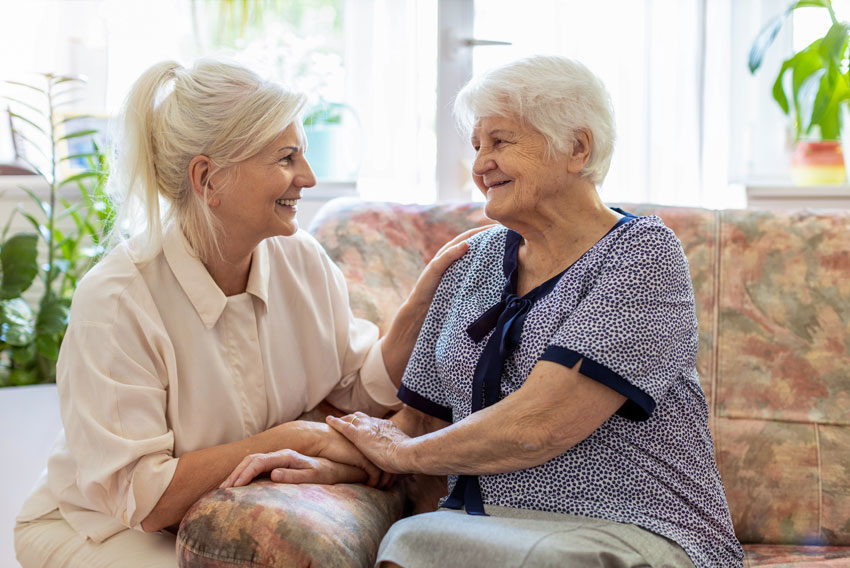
[516, 173]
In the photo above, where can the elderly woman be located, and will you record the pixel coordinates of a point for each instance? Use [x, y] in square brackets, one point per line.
[202, 339]
[554, 378]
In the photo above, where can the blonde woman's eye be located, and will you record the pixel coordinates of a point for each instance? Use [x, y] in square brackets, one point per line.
[286, 160]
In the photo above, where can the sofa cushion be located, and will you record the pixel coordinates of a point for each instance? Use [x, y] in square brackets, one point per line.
[783, 375]
[784, 315]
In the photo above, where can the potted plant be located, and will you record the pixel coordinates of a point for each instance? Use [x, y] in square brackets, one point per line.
[812, 87]
[67, 235]
[329, 142]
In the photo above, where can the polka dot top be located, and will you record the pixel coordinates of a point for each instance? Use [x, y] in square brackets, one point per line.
[626, 310]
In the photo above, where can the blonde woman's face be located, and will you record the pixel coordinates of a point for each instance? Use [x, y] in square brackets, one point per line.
[262, 199]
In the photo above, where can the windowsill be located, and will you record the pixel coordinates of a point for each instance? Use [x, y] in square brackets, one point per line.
[786, 195]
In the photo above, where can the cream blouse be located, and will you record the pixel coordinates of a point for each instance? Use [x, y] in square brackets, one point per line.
[158, 362]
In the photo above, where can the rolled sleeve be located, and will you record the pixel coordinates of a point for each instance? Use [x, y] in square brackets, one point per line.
[376, 379]
[365, 384]
[114, 411]
[636, 321]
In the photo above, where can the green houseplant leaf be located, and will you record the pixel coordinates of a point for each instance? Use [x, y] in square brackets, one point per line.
[17, 322]
[769, 32]
[18, 260]
[50, 325]
[31, 333]
[819, 81]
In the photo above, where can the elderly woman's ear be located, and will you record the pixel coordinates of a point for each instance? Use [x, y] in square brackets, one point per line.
[200, 172]
[580, 152]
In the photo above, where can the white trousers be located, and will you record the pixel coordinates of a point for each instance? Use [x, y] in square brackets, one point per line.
[50, 542]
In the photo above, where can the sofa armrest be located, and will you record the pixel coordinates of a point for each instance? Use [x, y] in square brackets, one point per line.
[274, 524]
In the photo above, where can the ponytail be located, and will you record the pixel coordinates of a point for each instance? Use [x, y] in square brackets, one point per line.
[133, 185]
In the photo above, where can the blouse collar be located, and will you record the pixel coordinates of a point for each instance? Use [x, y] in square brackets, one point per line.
[204, 294]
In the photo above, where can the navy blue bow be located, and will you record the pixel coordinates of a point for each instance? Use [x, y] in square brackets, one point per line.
[507, 318]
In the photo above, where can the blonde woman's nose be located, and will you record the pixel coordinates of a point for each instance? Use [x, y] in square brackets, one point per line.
[306, 178]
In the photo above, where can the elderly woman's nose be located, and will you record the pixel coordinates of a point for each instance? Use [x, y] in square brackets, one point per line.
[482, 164]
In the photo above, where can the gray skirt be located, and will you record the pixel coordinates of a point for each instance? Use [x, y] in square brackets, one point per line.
[518, 537]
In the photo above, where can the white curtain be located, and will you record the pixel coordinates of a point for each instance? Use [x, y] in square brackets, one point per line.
[390, 67]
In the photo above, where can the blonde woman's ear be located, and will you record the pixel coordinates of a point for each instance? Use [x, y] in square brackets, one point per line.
[200, 172]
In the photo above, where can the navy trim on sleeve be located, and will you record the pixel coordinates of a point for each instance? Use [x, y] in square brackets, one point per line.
[422, 404]
[639, 405]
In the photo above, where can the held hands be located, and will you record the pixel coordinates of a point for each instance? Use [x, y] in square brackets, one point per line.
[318, 454]
[288, 466]
[380, 440]
[319, 440]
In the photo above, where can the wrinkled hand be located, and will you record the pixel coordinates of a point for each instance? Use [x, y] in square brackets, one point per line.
[319, 440]
[288, 466]
[381, 441]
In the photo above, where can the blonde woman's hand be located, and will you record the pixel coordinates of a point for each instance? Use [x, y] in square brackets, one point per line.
[397, 344]
[426, 285]
[289, 466]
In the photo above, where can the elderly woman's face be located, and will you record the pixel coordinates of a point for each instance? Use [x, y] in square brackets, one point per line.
[513, 172]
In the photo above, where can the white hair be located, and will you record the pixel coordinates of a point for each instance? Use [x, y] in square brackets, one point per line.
[217, 109]
[556, 96]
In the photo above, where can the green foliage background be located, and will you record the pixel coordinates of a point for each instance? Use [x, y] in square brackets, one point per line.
[35, 294]
[815, 79]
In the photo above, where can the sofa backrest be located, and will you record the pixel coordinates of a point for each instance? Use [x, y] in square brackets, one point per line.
[773, 303]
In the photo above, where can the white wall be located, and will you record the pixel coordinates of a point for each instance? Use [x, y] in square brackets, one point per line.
[30, 422]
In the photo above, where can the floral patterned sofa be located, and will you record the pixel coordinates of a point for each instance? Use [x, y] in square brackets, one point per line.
[773, 300]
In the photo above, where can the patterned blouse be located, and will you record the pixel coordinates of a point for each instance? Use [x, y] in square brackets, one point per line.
[626, 309]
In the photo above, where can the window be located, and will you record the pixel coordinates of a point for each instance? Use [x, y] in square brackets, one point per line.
[374, 60]
[692, 122]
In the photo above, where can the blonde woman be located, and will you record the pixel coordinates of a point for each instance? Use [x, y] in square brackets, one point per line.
[201, 338]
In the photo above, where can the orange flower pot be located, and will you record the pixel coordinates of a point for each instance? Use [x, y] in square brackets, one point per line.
[818, 163]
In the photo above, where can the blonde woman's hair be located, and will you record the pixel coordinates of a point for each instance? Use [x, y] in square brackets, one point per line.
[555, 95]
[218, 109]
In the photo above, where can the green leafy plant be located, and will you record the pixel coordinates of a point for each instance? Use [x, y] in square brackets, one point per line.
[819, 82]
[324, 113]
[40, 270]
